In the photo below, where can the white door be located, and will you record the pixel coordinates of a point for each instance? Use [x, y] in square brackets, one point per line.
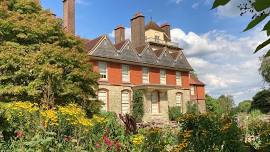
[125, 102]
[154, 102]
[102, 96]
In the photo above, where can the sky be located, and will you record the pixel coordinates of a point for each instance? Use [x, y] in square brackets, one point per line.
[213, 41]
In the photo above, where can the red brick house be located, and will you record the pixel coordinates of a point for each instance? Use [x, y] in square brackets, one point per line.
[150, 61]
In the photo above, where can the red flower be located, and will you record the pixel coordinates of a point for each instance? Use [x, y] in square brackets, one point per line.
[19, 134]
[117, 145]
[107, 141]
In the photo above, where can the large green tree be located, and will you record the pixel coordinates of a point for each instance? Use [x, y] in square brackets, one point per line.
[244, 106]
[39, 61]
[261, 101]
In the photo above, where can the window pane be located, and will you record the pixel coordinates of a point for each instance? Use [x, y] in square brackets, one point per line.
[162, 77]
[125, 73]
[145, 75]
[103, 70]
[178, 78]
[125, 102]
[178, 100]
[102, 96]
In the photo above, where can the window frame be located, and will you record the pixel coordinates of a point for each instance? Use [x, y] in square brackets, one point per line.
[178, 78]
[129, 100]
[101, 71]
[192, 90]
[106, 106]
[143, 75]
[162, 71]
[128, 73]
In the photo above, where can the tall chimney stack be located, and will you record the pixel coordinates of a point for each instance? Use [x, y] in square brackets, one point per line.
[69, 16]
[167, 28]
[119, 33]
[138, 30]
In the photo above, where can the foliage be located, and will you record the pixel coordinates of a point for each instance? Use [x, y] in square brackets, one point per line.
[39, 61]
[174, 113]
[244, 106]
[137, 105]
[261, 101]
[192, 107]
[208, 132]
[211, 104]
[265, 69]
[260, 10]
[226, 103]
[256, 130]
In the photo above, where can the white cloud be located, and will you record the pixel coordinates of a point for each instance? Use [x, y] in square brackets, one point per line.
[230, 10]
[82, 2]
[225, 62]
[195, 5]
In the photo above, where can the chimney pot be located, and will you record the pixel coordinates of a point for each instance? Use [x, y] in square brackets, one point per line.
[138, 30]
[167, 29]
[119, 33]
[69, 16]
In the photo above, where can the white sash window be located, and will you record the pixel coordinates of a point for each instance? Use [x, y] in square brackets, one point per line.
[162, 77]
[125, 102]
[145, 75]
[103, 72]
[103, 96]
[178, 78]
[125, 73]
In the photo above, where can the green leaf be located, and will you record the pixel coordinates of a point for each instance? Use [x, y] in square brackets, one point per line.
[255, 22]
[267, 28]
[267, 54]
[265, 43]
[218, 3]
[260, 5]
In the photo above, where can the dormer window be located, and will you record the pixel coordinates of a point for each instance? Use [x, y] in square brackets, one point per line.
[157, 38]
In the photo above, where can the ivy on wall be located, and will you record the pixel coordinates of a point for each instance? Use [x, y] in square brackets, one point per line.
[137, 105]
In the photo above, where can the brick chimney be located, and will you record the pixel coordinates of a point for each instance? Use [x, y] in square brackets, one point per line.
[69, 16]
[119, 33]
[138, 30]
[167, 28]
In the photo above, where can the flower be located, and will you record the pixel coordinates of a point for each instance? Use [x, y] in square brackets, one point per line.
[67, 138]
[84, 122]
[50, 116]
[107, 141]
[19, 134]
[137, 139]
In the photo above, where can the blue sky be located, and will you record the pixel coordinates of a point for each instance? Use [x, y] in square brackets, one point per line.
[215, 46]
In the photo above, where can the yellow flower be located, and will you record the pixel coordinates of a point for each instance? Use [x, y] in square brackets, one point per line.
[50, 116]
[72, 110]
[84, 122]
[137, 139]
[99, 119]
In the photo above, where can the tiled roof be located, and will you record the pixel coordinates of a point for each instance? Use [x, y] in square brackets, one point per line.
[194, 80]
[118, 46]
[102, 47]
[152, 25]
[89, 44]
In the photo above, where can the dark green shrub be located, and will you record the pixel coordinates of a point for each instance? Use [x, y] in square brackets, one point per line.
[174, 113]
[192, 108]
[137, 105]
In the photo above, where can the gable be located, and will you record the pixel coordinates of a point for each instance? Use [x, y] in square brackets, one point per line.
[128, 53]
[148, 56]
[166, 59]
[105, 49]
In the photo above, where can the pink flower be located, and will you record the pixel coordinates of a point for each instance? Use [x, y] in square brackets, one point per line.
[19, 134]
[67, 138]
[107, 141]
[98, 145]
[117, 145]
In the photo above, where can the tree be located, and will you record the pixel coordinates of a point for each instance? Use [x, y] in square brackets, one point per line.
[226, 103]
[265, 69]
[39, 61]
[211, 104]
[261, 101]
[244, 106]
[260, 10]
